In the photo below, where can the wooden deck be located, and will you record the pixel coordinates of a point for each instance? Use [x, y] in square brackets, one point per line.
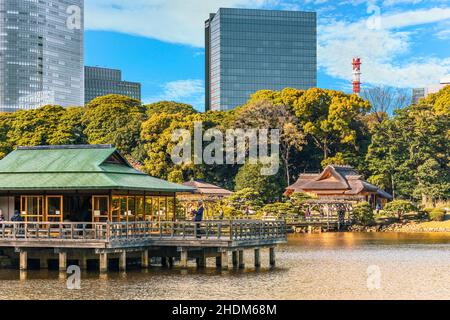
[229, 234]
[331, 223]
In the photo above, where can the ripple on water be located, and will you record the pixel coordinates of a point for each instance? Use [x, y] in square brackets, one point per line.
[327, 266]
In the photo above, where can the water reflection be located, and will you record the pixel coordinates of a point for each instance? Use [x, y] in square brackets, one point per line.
[325, 266]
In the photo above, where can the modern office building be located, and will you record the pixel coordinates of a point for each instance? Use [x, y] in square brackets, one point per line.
[103, 81]
[419, 93]
[41, 53]
[249, 50]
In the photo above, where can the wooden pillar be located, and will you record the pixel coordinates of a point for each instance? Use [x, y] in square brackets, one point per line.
[219, 262]
[23, 260]
[257, 258]
[184, 259]
[62, 261]
[241, 259]
[103, 257]
[82, 262]
[201, 262]
[224, 260]
[235, 259]
[272, 256]
[43, 263]
[164, 261]
[144, 259]
[123, 261]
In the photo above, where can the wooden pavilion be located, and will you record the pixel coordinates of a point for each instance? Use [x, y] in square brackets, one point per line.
[84, 183]
[339, 183]
[208, 193]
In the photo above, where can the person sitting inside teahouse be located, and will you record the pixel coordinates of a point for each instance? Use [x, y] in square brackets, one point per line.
[16, 217]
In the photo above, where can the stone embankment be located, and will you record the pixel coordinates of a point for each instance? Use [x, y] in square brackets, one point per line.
[406, 226]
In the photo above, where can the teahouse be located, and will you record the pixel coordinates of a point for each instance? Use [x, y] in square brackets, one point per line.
[208, 193]
[343, 183]
[81, 183]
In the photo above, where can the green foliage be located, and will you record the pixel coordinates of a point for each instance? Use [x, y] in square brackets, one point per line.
[268, 187]
[437, 214]
[264, 114]
[440, 101]
[410, 154]
[278, 209]
[245, 200]
[338, 159]
[363, 214]
[176, 176]
[114, 119]
[169, 107]
[297, 199]
[400, 207]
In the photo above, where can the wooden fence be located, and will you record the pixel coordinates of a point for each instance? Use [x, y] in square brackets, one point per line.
[123, 231]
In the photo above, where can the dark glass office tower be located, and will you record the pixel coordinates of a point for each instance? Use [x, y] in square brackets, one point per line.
[249, 50]
[41, 53]
[103, 81]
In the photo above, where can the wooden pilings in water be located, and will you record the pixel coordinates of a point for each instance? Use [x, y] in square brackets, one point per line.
[141, 258]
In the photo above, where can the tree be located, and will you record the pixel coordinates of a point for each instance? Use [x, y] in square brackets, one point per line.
[49, 125]
[440, 101]
[385, 99]
[70, 129]
[114, 119]
[269, 188]
[433, 182]
[278, 209]
[263, 114]
[245, 200]
[5, 125]
[330, 118]
[400, 208]
[363, 214]
[169, 107]
[401, 145]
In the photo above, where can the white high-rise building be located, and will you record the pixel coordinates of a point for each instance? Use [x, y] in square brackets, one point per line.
[419, 93]
[41, 53]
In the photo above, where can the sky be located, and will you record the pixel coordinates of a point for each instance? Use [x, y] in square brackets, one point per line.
[160, 43]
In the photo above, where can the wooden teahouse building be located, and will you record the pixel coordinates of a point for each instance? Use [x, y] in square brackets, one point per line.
[342, 183]
[208, 193]
[84, 183]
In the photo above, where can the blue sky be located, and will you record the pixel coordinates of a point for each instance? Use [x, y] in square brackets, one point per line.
[403, 43]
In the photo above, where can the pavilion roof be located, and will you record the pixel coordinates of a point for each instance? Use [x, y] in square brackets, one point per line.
[201, 187]
[338, 179]
[88, 167]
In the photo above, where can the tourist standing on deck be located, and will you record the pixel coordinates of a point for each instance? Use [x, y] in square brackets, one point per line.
[198, 217]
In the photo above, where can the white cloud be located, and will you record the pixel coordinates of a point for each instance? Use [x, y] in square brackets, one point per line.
[174, 21]
[190, 91]
[382, 50]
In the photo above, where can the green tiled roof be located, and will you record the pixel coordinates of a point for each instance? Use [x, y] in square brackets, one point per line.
[96, 167]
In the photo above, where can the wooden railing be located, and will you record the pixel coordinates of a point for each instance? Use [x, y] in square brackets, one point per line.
[216, 230]
[315, 219]
[131, 231]
[53, 230]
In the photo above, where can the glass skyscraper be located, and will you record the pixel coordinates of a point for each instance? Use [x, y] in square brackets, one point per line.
[41, 53]
[103, 81]
[249, 50]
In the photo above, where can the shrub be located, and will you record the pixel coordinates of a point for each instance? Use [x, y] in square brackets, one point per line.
[437, 215]
[400, 207]
[363, 214]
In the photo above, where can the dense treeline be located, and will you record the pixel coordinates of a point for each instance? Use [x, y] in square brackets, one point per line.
[407, 154]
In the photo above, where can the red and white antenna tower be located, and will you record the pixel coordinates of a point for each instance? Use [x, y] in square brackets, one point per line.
[357, 75]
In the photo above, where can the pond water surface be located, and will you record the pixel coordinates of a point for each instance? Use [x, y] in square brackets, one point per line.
[320, 266]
